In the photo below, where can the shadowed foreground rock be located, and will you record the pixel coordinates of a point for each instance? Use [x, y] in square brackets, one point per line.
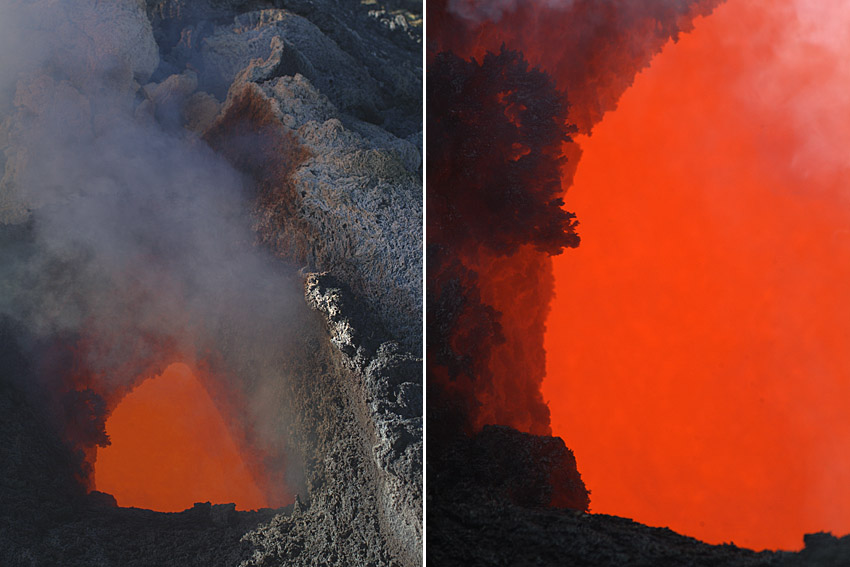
[523, 469]
[490, 503]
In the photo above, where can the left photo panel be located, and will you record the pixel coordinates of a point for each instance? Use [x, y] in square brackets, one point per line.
[211, 282]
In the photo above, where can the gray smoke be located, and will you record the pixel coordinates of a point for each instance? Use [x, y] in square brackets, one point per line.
[133, 238]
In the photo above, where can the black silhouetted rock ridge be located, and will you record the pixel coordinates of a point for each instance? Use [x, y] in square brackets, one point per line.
[532, 471]
[490, 503]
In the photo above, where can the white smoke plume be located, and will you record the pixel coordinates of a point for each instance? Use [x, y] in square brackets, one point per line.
[134, 239]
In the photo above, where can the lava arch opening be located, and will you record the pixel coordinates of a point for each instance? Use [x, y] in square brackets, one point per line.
[170, 447]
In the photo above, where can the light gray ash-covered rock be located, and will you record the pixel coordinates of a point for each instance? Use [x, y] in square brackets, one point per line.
[388, 390]
[379, 42]
[357, 193]
[225, 52]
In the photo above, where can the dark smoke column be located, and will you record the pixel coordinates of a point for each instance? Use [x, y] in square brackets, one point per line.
[506, 86]
[495, 134]
[496, 129]
[499, 162]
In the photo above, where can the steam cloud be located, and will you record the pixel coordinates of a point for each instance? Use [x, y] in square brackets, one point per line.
[125, 241]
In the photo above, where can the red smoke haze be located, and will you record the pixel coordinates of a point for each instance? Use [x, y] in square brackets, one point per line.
[698, 349]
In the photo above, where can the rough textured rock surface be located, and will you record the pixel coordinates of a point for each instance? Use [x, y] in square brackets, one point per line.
[495, 533]
[387, 386]
[354, 209]
[362, 448]
[328, 97]
[524, 469]
[380, 41]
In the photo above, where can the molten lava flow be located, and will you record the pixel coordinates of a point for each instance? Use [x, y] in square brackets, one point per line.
[698, 359]
[171, 448]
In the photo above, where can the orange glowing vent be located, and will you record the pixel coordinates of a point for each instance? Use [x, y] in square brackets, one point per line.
[171, 448]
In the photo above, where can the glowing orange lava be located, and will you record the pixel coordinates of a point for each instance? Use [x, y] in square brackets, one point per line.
[171, 448]
[698, 359]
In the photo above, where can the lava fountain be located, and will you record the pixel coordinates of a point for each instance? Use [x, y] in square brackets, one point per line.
[697, 356]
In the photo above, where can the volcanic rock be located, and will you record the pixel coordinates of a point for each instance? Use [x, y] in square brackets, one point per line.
[505, 464]
[357, 195]
[388, 385]
[330, 166]
[490, 503]
[229, 49]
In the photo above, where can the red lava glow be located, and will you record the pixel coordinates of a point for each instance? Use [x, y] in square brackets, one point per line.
[171, 448]
[698, 349]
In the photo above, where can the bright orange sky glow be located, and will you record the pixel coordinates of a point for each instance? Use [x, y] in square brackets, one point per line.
[171, 448]
[698, 348]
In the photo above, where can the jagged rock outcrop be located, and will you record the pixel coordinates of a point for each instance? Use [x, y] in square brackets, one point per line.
[489, 503]
[229, 49]
[354, 207]
[376, 42]
[388, 388]
[501, 462]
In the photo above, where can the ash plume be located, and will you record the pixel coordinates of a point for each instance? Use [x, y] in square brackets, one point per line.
[125, 240]
[497, 128]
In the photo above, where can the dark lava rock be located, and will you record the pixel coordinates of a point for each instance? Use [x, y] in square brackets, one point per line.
[474, 532]
[492, 501]
[523, 469]
[822, 550]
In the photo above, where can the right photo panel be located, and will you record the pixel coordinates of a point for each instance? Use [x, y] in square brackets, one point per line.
[638, 263]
